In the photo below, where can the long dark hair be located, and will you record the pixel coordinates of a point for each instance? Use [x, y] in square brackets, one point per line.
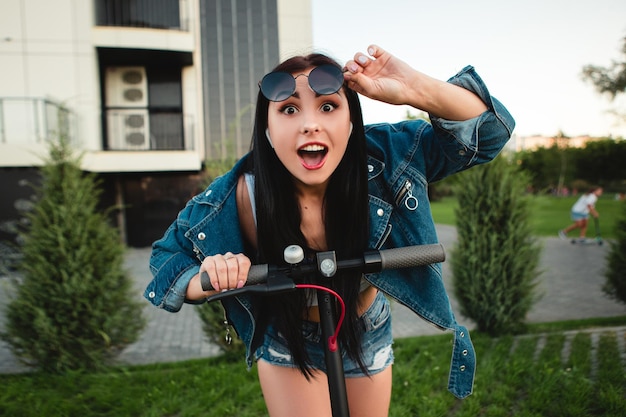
[346, 218]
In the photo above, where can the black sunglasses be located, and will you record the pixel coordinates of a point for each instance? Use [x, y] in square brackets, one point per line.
[279, 86]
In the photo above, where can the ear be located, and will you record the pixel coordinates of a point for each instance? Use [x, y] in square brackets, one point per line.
[267, 135]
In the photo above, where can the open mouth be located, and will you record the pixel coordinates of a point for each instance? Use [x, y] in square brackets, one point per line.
[313, 155]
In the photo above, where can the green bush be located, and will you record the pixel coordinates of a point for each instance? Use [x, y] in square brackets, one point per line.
[217, 331]
[71, 306]
[214, 168]
[495, 261]
[615, 284]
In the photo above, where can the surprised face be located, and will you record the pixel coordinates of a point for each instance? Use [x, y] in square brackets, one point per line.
[310, 132]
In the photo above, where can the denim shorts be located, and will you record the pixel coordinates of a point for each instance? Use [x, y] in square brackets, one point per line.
[376, 343]
[578, 216]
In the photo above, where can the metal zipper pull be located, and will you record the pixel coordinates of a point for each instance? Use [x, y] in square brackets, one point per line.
[406, 193]
[227, 337]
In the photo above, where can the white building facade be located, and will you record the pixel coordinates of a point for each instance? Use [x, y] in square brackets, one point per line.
[146, 90]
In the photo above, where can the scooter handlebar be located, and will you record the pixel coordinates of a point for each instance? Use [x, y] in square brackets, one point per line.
[373, 261]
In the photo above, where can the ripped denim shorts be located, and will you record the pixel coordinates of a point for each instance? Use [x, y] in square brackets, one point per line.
[376, 343]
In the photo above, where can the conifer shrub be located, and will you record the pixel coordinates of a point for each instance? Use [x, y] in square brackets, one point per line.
[217, 330]
[615, 283]
[495, 261]
[70, 307]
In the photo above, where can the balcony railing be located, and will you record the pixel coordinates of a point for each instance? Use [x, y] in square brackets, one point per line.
[34, 120]
[141, 130]
[156, 14]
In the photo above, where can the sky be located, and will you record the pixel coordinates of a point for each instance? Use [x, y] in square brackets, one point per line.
[529, 53]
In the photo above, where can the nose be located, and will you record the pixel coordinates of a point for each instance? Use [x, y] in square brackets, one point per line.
[309, 126]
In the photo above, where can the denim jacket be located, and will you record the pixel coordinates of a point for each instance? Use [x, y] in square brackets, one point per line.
[403, 159]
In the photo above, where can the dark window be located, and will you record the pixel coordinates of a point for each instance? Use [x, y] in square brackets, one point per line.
[164, 88]
[166, 108]
[164, 14]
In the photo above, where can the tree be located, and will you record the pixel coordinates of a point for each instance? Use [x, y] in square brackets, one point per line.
[610, 80]
[546, 167]
[495, 261]
[598, 162]
[615, 284]
[71, 306]
[602, 162]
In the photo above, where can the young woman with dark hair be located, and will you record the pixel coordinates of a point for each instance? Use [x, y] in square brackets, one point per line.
[317, 177]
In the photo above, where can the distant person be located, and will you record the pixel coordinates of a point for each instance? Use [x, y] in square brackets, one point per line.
[585, 205]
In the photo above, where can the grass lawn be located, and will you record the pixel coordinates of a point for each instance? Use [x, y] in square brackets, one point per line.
[557, 369]
[549, 214]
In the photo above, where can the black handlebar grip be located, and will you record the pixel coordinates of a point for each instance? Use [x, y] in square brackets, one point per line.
[257, 275]
[410, 256]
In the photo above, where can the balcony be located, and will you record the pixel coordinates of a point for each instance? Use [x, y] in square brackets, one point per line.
[33, 120]
[167, 141]
[158, 25]
[154, 14]
[27, 125]
[138, 140]
[141, 130]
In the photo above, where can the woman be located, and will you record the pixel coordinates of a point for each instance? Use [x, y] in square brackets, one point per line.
[318, 178]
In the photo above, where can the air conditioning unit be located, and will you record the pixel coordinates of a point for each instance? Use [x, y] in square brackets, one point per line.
[128, 129]
[126, 87]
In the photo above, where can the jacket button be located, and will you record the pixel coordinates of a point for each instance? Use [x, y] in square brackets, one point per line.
[462, 334]
[464, 352]
[370, 168]
[380, 212]
[201, 236]
[462, 368]
[151, 294]
[208, 193]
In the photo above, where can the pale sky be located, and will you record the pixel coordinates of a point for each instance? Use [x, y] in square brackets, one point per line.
[529, 53]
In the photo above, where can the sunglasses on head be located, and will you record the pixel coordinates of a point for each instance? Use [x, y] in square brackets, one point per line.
[279, 86]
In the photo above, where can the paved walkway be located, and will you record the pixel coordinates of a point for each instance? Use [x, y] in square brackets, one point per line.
[571, 284]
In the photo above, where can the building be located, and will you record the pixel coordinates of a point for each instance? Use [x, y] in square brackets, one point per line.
[147, 90]
[532, 143]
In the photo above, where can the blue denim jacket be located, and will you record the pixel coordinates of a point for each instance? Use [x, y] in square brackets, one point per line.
[403, 159]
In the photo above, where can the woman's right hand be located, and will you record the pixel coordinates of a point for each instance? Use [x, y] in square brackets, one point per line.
[227, 271]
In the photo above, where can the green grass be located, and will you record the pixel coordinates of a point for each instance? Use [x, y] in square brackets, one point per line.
[549, 214]
[556, 369]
